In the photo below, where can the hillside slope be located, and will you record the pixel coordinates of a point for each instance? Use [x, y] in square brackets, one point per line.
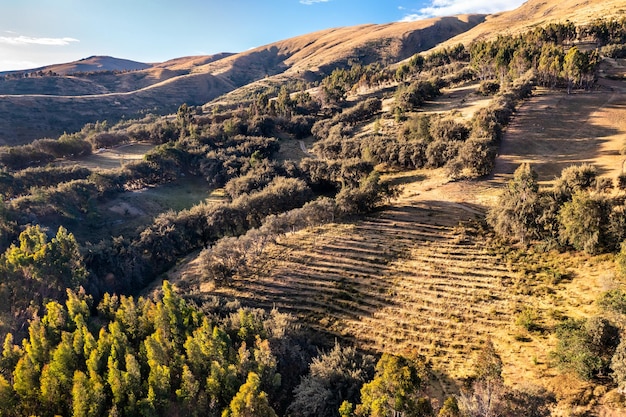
[47, 106]
[324, 50]
[535, 13]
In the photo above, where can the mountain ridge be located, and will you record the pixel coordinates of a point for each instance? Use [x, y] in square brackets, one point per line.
[534, 13]
[89, 64]
[163, 87]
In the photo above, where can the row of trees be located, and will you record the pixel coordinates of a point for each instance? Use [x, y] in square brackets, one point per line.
[576, 212]
[510, 57]
[466, 149]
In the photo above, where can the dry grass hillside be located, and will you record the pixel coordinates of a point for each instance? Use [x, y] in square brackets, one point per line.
[304, 57]
[47, 106]
[27, 117]
[422, 276]
[535, 13]
[90, 64]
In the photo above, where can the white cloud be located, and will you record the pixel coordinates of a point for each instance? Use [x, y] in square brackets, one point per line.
[310, 2]
[28, 40]
[439, 8]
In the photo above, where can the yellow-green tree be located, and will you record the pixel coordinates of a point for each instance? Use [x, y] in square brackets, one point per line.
[250, 401]
[396, 387]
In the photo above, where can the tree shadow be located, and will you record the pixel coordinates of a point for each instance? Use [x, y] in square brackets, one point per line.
[346, 286]
[553, 131]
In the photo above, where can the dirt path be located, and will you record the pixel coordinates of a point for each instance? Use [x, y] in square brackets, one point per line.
[304, 149]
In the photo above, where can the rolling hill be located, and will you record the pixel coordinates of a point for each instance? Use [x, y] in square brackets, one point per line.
[534, 13]
[46, 106]
[90, 64]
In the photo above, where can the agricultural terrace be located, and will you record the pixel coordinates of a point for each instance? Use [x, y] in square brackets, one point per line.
[554, 130]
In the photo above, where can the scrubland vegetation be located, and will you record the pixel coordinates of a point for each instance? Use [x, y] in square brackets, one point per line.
[84, 336]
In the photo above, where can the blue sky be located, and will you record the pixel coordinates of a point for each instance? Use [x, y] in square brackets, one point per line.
[40, 32]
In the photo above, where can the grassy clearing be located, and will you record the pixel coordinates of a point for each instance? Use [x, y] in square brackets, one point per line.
[291, 149]
[134, 210]
[463, 100]
[114, 158]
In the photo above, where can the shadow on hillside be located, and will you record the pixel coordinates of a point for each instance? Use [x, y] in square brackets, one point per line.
[554, 131]
[351, 281]
[407, 179]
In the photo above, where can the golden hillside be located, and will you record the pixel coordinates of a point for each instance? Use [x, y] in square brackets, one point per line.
[535, 13]
[67, 103]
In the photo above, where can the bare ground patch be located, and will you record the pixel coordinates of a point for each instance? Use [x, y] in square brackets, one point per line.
[553, 130]
[115, 157]
[463, 100]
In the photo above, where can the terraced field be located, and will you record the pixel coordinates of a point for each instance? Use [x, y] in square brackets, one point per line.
[419, 276]
[407, 278]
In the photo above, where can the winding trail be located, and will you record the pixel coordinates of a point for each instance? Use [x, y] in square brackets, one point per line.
[304, 149]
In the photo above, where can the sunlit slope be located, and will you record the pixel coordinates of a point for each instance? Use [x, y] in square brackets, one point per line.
[536, 13]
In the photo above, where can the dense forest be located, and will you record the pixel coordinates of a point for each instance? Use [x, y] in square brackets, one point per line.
[82, 337]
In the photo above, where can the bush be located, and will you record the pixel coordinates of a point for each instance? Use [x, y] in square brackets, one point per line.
[613, 301]
[410, 97]
[439, 152]
[618, 366]
[528, 319]
[364, 198]
[616, 51]
[476, 157]
[586, 346]
[448, 129]
[488, 87]
[580, 223]
[362, 111]
[517, 212]
[334, 377]
[107, 139]
[575, 178]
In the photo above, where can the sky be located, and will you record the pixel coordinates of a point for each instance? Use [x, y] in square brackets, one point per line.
[36, 33]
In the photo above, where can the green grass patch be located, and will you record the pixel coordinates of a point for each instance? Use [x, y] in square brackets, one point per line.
[132, 211]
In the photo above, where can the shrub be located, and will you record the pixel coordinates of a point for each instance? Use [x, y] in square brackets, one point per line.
[613, 301]
[448, 129]
[618, 366]
[410, 97]
[586, 346]
[488, 87]
[364, 198]
[515, 216]
[580, 223]
[439, 152]
[334, 377]
[107, 139]
[477, 157]
[575, 178]
[528, 319]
